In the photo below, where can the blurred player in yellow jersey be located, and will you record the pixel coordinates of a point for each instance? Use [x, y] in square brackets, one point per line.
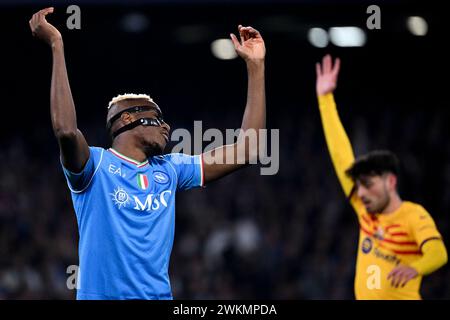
[398, 240]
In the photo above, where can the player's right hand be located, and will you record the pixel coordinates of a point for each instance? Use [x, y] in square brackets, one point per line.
[42, 29]
[327, 75]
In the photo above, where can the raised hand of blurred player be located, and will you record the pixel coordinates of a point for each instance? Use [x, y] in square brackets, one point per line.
[327, 75]
[251, 45]
[42, 29]
[400, 275]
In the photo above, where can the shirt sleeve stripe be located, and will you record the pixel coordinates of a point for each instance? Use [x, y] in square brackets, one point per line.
[426, 240]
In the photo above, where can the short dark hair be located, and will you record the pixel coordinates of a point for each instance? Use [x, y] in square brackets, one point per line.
[375, 162]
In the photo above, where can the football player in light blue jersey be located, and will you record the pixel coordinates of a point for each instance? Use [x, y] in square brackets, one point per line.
[124, 197]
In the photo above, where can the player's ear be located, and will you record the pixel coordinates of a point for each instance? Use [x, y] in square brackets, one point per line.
[126, 118]
[392, 181]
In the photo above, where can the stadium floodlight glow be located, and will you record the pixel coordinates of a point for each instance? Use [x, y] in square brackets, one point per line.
[347, 36]
[135, 22]
[223, 49]
[417, 26]
[318, 37]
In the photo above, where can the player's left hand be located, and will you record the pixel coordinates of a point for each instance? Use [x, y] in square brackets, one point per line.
[401, 275]
[251, 47]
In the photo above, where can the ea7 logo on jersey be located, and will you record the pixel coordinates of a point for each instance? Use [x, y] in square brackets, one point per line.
[115, 170]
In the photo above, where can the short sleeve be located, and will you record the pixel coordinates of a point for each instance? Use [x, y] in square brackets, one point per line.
[189, 170]
[77, 182]
[422, 226]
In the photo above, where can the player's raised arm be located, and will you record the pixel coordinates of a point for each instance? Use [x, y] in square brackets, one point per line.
[73, 147]
[251, 48]
[337, 140]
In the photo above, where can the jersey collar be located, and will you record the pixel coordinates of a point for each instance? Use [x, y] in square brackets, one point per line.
[127, 159]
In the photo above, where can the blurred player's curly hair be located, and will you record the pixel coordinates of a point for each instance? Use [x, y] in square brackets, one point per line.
[375, 162]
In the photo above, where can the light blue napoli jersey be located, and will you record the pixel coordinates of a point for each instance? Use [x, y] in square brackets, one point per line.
[126, 222]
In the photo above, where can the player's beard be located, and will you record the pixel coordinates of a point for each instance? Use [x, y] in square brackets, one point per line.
[153, 149]
[383, 202]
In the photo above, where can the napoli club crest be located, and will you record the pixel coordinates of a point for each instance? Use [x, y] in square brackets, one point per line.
[160, 177]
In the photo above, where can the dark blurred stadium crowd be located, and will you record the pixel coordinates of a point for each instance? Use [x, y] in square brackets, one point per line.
[288, 236]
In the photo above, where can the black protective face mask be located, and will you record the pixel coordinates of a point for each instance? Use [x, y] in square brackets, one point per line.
[154, 122]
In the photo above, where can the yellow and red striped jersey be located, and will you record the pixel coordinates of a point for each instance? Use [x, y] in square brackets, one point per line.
[385, 241]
